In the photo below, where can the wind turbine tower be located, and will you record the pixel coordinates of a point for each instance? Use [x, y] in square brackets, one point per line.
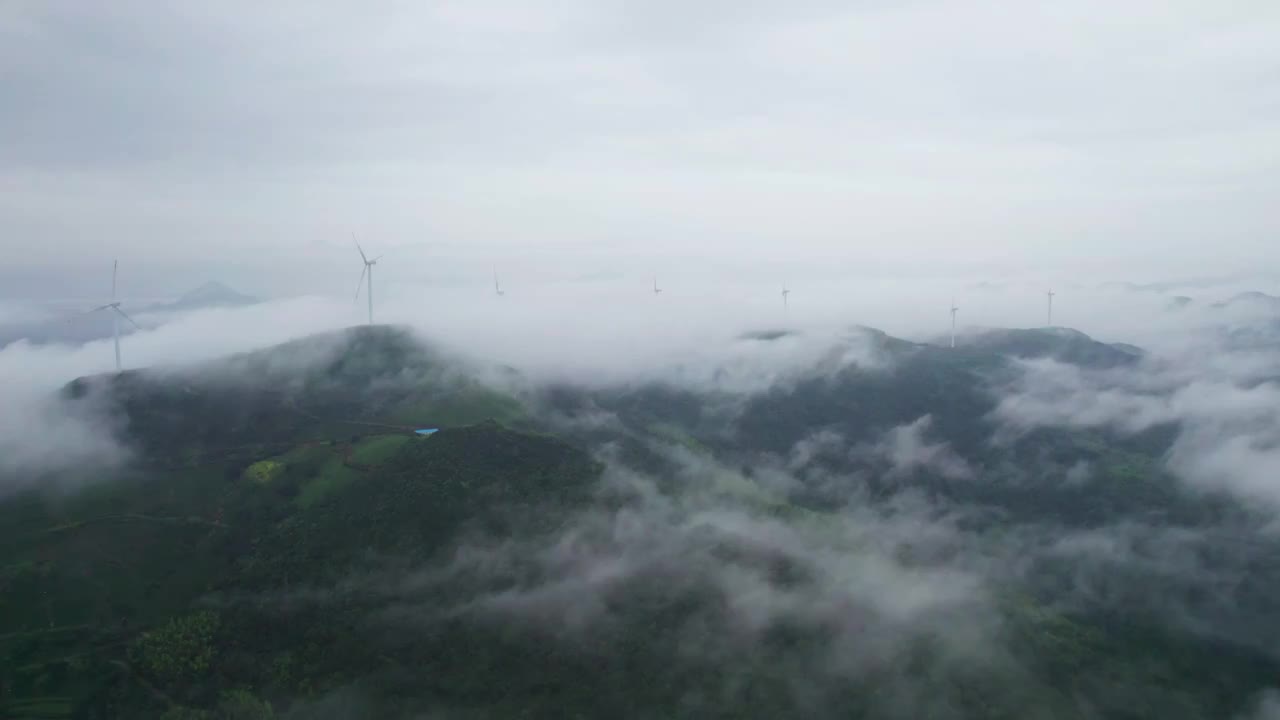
[116, 313]
[954, 310]
[497, 289]
[785, 293]
[1050, 315]
[656, 290]
[368, 270]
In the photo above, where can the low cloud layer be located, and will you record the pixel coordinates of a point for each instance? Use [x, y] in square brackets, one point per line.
[42, 432]
[1227, 419]
[911, 596]
[908, 450]
[605, 332]
[914, 561]
[884, 587]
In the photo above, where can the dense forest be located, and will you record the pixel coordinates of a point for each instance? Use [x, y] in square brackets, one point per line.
[858, 537]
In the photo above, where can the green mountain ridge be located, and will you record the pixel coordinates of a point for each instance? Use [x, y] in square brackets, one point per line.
[351, 382]
[283, 545]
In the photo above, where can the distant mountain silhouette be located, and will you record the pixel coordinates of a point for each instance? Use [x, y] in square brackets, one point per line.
[77, 329]
[1252, 297]
[209, 295]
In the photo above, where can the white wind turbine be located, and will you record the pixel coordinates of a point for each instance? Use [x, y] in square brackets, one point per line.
[116, 313]
[954, 310]
[785, 293]
[656, 290]
[1050, 316]
[497, 289]
[368, 269]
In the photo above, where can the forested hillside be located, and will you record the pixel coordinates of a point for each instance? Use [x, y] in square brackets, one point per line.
[861, 536]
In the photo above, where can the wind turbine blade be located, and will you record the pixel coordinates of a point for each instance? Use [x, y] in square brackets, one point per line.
[359, 285]
[115, 268]
[125, 315]
[360, 249]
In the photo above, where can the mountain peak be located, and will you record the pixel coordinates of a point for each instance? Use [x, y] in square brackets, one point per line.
[213, 291]
[209, 295]
[1251, 297]
[1060, 343]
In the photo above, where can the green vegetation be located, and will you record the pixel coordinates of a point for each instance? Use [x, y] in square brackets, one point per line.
[234, 705]
[104, 611]
[182, 649]
[673, 433]
[378, 449]
[264, 471]
[332, 477]
[466, 404]
[362, 381]
[39, 708]
[289, 549]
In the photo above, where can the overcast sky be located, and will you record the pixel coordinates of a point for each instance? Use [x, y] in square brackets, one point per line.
[248, 140]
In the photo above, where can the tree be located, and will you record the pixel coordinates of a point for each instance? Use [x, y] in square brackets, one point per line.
[179, 650]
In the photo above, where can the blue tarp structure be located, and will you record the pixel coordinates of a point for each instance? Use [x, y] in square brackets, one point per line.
[427, 431]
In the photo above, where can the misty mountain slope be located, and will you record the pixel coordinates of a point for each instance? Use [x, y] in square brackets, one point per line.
[425, 491]
[863, 402]
[724, 406]
[483, 572]
[1253, 299]
[626, 604]
[861, 383]
[86, 578]
[1057, 343]
[875, 405]
[355, 381]
[844, 528]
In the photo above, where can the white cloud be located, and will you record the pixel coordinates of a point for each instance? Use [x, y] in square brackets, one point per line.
[907, 450]
[1227, 417]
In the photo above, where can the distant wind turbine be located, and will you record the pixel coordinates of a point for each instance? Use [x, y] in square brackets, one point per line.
[368, 269]
[497, 289]
[1050, 316]
[116, 313]
[954, 310]
[656, 290]
[785, 293]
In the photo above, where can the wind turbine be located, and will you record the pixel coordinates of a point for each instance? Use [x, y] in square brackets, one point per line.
[954, 310]
[1050, 317]
[497, 289]
[368, 269]
[785, 293]
[116, 312]
[656, 290]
